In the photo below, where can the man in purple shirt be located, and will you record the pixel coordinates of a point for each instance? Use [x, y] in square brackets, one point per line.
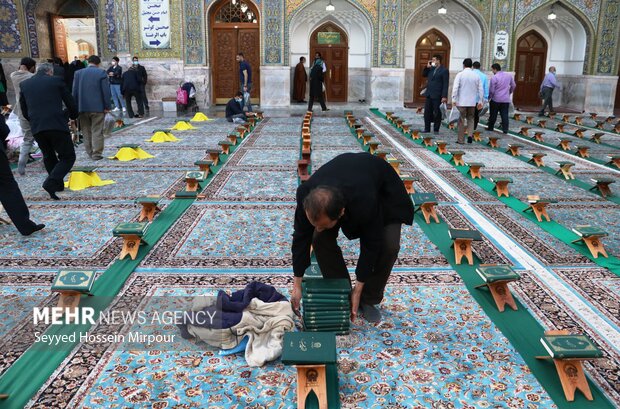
[546, 90]
[502, 85]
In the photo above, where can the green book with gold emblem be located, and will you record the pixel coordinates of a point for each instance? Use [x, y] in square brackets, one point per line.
[491, 274]
[302, 348]
[69, 280]
[570, 346]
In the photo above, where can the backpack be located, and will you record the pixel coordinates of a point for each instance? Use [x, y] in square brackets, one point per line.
[181, 96]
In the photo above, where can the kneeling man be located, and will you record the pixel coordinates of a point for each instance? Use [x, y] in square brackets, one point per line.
[362, 195]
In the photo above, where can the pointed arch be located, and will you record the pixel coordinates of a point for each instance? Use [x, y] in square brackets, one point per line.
[588, 63]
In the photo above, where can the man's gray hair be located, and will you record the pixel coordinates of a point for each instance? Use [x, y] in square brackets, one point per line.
[46, 67]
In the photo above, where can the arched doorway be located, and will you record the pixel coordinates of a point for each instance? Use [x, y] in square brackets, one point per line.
[68, 21]
[234, 28]
[530, 68]
[333, 44]
[433, 42]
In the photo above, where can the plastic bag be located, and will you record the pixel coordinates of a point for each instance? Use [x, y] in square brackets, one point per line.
[108, 124]
[246, 98]
[454, 115]
[181, 96]
[192, 92]
[444, 110]
[14, 127]
[484, 110]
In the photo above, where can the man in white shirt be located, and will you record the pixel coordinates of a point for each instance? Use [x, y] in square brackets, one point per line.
[466, 92]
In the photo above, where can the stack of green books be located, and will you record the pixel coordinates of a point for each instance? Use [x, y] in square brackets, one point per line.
[326, 305]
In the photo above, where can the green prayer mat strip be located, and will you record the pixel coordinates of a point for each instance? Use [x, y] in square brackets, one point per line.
[552, 227]
[588, 128]
[554, 147]
[519, 327]
[28, 374]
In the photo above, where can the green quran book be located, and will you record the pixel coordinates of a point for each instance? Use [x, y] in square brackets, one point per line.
[129, 145]
[323, 308]
[492, 274]
[333, 297]
[130, 228]
[86, 169]
[325, 322]
[328, 286]
[465, 234]
[304, 348]
[336, 330]
[570, 346]
[587, 231]
[81, 281]
[421, 198]
[317, 315]
[312, 272]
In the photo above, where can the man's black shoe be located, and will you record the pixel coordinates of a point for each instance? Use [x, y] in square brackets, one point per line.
[470, 139]
[36, 228]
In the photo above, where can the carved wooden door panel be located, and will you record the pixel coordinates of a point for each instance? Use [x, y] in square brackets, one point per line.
[529, 68]
[336, 75]
[249, 44]
[225, 67]
[59, 35]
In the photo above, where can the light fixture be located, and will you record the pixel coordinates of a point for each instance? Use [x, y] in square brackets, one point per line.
[552, 15]
[442, 9]
[330, 6]
[244, 7]
[234, 2]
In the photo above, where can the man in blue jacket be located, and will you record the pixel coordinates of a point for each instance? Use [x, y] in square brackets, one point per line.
[91, 90]
[41, 99]
[436, 92]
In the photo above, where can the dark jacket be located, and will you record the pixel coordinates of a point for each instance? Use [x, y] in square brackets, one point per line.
[142, 75]
[131, 81]
[375, 197]
[91, 90]
[4, 133]
[41, 99]
[437, 85]
[233, 108]
[117, 74]
[316, 80]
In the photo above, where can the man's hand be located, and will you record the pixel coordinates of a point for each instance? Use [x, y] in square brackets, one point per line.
[296, 294]
[479, 106]
[245, 88]
[454, 104]
[444, 100]
[356, 294]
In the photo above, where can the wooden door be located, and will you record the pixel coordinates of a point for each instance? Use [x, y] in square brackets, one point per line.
[336, 57]
[529, 68]
[59, 37]
[234, 30]
[430, 44]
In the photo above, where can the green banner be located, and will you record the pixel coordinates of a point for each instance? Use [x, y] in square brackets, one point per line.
[328, 38]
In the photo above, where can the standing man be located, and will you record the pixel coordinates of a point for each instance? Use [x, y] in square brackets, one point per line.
[115, 75]
[130, 87]
[485, 89]
[143, 78]
[317, 72]
[41, 101]
[362, 195]
[436, 92]
[299, 81]
[502, 85]
[10, 195]
[245, 80]
[549, 83]
[26, 70]
[467, 89]
[91, 90]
